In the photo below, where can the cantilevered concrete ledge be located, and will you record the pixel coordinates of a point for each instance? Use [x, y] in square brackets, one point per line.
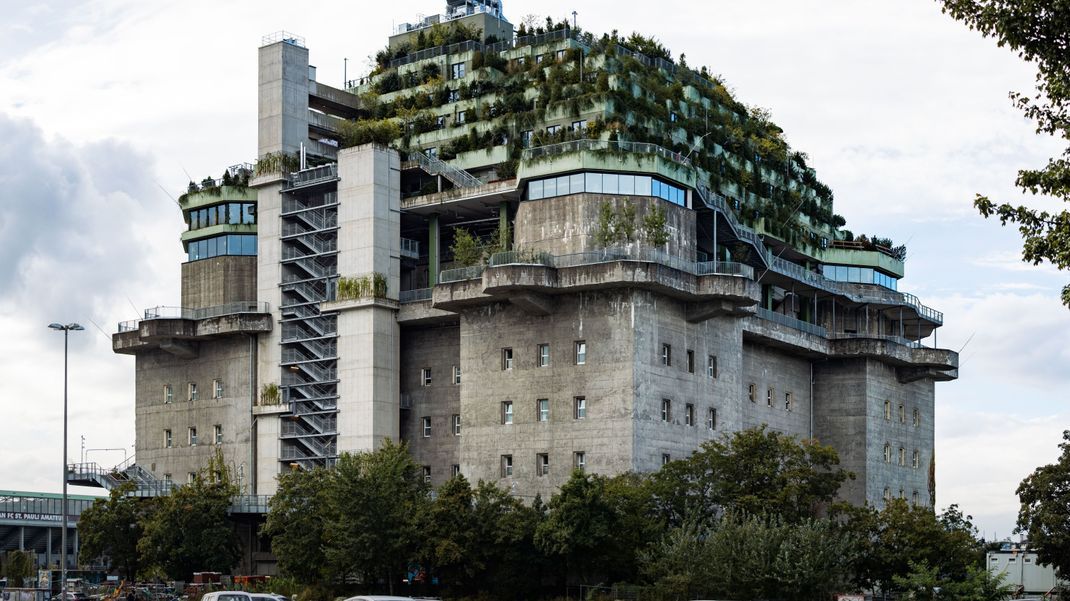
[179, 336]
[532, 287]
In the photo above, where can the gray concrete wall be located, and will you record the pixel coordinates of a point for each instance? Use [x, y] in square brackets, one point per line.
[570, 224]
[226, 359]
[437, 349]
[369, 240]
[606, 321]
[882, 385]
[841, 418]
[768, 368]
[659, 320]
[283, 98]
[218, 281]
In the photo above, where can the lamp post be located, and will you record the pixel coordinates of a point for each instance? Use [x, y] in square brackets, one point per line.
[63, 531]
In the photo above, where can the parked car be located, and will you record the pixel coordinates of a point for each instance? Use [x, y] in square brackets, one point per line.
[268, 597]
[379, 598]
[71, 596]
[227, 596]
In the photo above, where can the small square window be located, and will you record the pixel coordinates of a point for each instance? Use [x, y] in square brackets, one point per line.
[888, 410]
[455, 470]
[425, 376]
[432, 152]
[579, 125]
[902, 414]
[217, 434]
[789, 401]
[711, 366]
[915, 460]
[579, 460]
[525, 137]
[711, 419]
[427, 473]
[666, 355]
[461, 115]
[542, 410]
[665, 458]
[544, 355]
[456, 421]
[456, 70]
[752, 392]
[507, 466]
[168, 441]
[542, 464]
[191, 391]
[581, 352]
[902, 456]
[769, 393]
[191, 437]
[507, 412]
[689, 415]
[191, 477]
[666, 410]
[887, 453]
[169, 393]
[425, 426]
[579, 405]
[917, 418]
[507, 359]
[690, 361]
[217, 389]
[456, 374]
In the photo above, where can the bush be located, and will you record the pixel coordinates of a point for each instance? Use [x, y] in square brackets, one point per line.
[369, 131]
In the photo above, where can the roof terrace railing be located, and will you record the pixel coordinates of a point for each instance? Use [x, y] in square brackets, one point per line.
[162, 312]
[309, 177]
[414, 296]
[457, 48]
[791, 322]
[605, 145]
[595, 257]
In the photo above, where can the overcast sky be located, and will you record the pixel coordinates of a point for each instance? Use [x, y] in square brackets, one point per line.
[107, 105]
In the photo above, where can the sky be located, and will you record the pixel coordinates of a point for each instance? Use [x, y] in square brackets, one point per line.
[108, 108]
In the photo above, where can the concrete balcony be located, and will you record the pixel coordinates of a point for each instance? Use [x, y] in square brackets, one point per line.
[177, 330]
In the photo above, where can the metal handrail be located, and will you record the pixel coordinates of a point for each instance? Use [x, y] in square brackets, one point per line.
[164, 312]
[460, 274]
[791, 322]
[605, 145]
[315, 175]
[436, 166]
[412, 296]
[613, 254]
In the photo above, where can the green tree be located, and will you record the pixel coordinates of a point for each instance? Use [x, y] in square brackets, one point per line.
[505, 533]
[466, 248]
[369, 131]
[581, 526]
[925, 583]
[754, 471]
[755, 557]
[654, 226]
[451, 538]
[1038, 31]
[295, 522]
[17, 567]
[111, 528]
[188, 530]
[375, 506]
[1045, 511]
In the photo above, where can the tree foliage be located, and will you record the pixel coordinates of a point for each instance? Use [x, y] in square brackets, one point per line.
[754, 471]
[188, 530]
[1039, 31]
[296, 522]
[1045, 511]
[111, 528]
[369, 131]
[17, 567]
[466, 248]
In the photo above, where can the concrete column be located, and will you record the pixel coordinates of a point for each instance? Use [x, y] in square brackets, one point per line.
[48, 547]
[74, 551]
[432, 250]
[503, 225]
[22, 538]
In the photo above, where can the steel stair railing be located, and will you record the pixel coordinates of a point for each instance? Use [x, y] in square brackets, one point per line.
[435, 166]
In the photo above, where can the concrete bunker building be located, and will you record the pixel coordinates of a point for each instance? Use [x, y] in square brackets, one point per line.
[659, 269]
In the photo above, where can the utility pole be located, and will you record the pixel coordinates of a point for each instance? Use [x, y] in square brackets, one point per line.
[345, 73]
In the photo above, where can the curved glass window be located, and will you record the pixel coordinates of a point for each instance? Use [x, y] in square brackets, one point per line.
[230, 213]
[606, 183]
[232, 244]
[859, 275]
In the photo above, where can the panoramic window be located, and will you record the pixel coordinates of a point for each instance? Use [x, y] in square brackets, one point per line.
[604, 183]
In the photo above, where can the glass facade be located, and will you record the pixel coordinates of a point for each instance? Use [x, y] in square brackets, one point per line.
[606, 183]
[230, 213]
[859, 275]
[231, 244]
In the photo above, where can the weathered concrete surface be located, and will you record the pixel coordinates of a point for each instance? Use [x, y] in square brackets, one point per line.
[218, 281]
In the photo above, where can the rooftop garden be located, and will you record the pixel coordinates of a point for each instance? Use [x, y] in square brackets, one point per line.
[621, 88]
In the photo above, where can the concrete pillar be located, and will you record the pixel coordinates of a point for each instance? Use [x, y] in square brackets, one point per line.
[503, 225]
[432, 250]
[74, 551]
[22, 538]
[283, 93]
[48, 547]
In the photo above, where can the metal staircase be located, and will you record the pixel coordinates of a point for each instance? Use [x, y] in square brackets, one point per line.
[144, 484]
[719, 204]
[309, 341]
[435, 166]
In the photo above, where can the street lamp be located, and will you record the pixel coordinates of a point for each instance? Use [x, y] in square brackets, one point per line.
[63, 531]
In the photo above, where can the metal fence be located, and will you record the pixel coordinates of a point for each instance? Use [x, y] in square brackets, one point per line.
[163, 312]
[460, 274]
[791, 322]
[413, 296]
[605, 146]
